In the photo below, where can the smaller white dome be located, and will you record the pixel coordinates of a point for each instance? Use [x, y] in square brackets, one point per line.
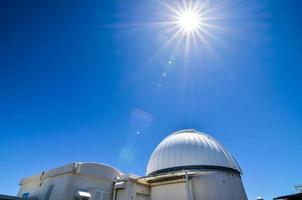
[190, 149]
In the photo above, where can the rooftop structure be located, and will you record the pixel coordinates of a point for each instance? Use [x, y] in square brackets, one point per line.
[190, 149]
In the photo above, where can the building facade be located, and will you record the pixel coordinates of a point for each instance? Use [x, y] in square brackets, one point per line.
[186, 165]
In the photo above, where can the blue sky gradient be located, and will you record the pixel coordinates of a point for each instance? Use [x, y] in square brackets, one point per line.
[85, 81]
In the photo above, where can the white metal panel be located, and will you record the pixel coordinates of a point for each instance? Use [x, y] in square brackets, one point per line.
[175, 191]
[217, 186]
[190, 147]
[97, 170]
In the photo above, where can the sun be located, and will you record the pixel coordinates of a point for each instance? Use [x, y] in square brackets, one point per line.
[189, 21]
[189, 25]
[189, 17]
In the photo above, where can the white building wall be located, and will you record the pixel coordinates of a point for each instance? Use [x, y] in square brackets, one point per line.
[133, 190]
[217, 186]
[64, 182]
[64, 187]
[172, 191]
[89, 184]
[55, 187]
[205, 186]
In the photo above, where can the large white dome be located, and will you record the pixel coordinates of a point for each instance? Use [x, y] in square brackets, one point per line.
[190, 149]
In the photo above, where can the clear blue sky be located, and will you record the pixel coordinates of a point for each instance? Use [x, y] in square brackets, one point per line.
[84, 81]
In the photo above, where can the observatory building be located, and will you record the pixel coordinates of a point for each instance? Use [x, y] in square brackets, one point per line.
[186, 165]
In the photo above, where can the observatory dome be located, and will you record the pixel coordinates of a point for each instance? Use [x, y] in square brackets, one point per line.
[190, 149]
